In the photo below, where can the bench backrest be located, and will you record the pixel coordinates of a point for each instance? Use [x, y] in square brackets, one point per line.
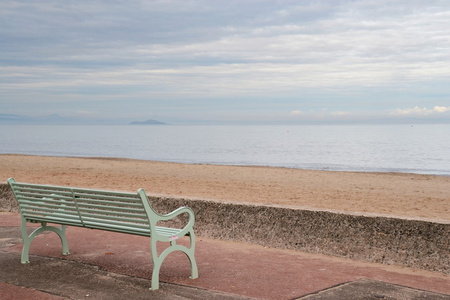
[117, 211]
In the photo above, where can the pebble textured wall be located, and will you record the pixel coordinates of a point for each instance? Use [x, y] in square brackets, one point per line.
[412, 243]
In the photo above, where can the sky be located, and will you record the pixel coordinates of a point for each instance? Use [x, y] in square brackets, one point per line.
[248, 61]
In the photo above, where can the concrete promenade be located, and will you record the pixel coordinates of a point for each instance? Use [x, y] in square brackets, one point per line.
[106, 265]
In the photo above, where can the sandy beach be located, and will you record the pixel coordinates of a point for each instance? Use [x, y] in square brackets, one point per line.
[394, 194]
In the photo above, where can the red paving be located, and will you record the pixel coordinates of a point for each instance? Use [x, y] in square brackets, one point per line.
[13, 292]
[232, 267]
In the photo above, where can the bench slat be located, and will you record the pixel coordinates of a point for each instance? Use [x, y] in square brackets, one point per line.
[118, 201]
[118, 227]
[36, 204]
[41, 196]
[45, 192]
[84, 202]
[111, 208]
[89, 221]
[88, 194]
[43, 211]
[115, 218]
[41, 187]
[33, 214]
[45, 201]
[121, 212]
[166, 231]
[54, 219]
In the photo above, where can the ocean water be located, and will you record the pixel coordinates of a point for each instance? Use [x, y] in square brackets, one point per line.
[423, 149]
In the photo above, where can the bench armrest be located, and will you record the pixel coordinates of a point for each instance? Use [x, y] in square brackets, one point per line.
[182, 210]
[176, 213]
[155, 217]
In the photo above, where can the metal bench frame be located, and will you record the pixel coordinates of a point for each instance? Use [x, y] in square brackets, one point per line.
[105, 210]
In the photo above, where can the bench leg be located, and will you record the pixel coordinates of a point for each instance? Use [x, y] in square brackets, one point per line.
[191, 255]
[27, 239]
[158, 260]
[62, 236]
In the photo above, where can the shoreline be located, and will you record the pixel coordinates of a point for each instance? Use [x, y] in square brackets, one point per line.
[231, 165]
[405, 195]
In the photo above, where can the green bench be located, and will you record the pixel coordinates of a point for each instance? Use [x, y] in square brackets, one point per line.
[105, 210]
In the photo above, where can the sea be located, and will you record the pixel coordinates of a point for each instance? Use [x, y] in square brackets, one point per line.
[421, 149]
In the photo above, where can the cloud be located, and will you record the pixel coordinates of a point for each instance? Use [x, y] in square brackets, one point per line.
[296, 113]
[340, 113]
[173, 56]
[417, 111]
[441, 109]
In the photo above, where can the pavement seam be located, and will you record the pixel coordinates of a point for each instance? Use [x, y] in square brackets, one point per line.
[321, 291]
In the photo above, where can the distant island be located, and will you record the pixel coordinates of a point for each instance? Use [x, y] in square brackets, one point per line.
[148, 122]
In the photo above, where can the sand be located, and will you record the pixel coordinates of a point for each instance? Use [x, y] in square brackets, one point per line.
[394, 194]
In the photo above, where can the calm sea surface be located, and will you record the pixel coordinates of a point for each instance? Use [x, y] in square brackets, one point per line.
[423, 149]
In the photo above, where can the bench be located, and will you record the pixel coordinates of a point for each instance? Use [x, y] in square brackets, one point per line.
[105, 210]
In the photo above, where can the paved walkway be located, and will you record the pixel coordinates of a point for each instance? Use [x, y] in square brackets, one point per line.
[106, 265]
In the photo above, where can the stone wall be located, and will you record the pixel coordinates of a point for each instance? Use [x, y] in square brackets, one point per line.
[7, 200]
[412, 243]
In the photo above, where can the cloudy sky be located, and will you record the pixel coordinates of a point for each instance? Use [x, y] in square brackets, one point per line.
[226, 61]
